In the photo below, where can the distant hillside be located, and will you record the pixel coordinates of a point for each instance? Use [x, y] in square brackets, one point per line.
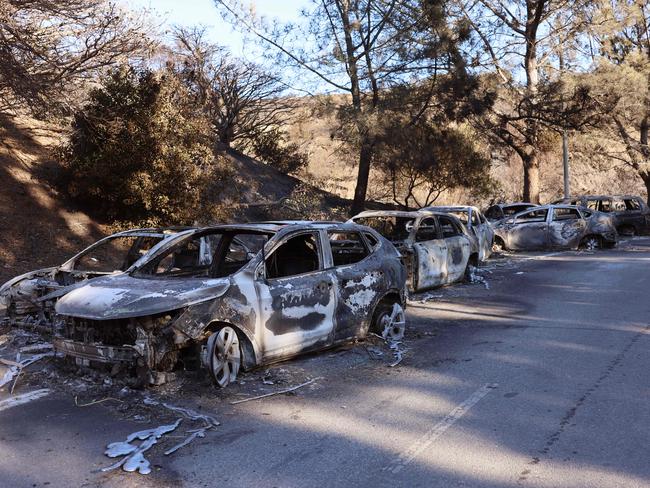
[334, 170]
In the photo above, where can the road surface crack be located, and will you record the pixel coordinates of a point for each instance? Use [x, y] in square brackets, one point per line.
[571, 413]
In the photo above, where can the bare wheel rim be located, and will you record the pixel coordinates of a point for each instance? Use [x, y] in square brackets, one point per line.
[225, 356]
[392, 323]
[592, 243]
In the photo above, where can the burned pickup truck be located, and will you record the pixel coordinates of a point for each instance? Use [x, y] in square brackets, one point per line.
[435, 246]
[237, 296]
[30, 298]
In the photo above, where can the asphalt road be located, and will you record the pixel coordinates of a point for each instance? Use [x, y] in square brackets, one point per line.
[539, 379]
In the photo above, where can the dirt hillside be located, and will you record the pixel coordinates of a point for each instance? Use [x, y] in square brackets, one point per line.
[38, 228]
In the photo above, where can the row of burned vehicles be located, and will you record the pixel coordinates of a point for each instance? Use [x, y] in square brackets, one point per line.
[148, 302]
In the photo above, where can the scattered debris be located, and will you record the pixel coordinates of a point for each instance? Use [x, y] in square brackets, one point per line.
[279, 392]
[23, 398]
[134, 459]
[397, 352]
[475, 277]
[17, 366]
[209, 422]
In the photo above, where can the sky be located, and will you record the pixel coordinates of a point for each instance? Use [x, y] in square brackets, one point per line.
[204, 12]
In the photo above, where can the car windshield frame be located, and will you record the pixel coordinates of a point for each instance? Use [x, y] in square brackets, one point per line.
[217, 266]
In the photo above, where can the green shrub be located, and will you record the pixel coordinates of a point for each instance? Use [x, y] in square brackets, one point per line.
[140, 152]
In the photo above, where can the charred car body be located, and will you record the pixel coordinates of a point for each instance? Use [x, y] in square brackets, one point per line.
[477, 226]
[435, 246]
[236, 296]
[631, 214]
[556, 227]
[30, 297]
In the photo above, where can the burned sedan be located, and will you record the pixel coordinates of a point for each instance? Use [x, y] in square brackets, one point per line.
[556, 227]
[435, 246]
[30, 297]
[477, 226]
[236, 296]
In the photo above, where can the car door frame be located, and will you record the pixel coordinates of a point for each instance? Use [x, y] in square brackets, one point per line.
[537, 225]
[358, 287]
[274, 294]
[425, 254]
[458, 250]
[572, 234]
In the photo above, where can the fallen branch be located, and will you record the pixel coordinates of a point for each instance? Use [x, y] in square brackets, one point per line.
[95, 402]
[280, 392]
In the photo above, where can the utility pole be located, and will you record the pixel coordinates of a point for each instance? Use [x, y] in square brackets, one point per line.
[565, 137]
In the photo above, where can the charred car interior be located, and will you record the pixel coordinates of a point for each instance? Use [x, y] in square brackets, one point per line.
[30, 298]
[236, 296]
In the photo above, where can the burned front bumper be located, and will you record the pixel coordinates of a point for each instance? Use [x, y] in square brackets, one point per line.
[96, 353]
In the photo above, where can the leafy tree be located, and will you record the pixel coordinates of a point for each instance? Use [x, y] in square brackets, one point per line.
[367, 50]
[139, 150]
[518, 42]
[620, 30]
[49, 46]
[420, 161]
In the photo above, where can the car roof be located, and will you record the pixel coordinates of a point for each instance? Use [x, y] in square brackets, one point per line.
[600, 196]
[451, 208]
[162, 232]
[284, 225]
[398, 213]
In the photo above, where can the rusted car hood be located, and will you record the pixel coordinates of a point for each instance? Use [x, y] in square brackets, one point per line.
[123, 296]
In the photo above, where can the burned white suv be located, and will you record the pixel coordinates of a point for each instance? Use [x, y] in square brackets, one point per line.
[234, 296]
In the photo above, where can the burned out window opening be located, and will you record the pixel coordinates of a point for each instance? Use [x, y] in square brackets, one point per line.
[371, 240]
[565, 214]
[427, 230]
[448, 227]
[462, 216]
[394, 228]
[297, 255]
[538, 215]
[116, 254]
[495, 212]
[632, 204]
[347, 248]
[475, 220]
[209, 254]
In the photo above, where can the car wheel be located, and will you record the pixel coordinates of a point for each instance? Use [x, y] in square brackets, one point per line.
[591, 243]
[224, 356]
[390, 322]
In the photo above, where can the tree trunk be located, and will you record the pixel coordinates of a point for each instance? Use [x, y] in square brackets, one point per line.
[531, 178]
[646, 180]
[365, 160]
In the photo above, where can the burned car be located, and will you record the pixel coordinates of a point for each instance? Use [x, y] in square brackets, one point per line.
[556, 227]
[500, 211]
[435, 246]
[476, 224]
[30, 297]
[237, 296]
[630, 213]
